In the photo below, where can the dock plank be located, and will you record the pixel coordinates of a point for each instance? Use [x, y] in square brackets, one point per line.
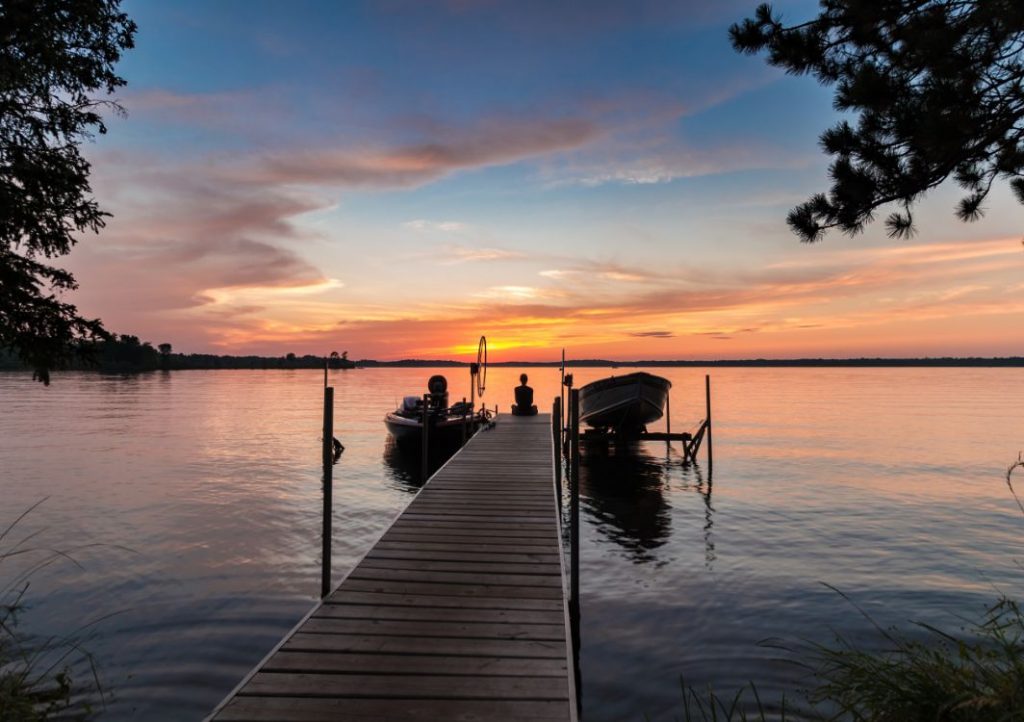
[456, 613]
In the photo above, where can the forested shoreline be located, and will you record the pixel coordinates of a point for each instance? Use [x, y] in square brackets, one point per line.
[128, 354]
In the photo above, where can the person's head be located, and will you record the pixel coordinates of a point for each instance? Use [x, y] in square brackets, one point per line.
[522, 379]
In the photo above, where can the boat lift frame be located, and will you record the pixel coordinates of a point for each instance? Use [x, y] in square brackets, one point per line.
[691, 441]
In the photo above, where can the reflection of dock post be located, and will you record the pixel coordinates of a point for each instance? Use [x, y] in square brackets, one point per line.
[325, 557]
[574, 495]
[707, 403]
[425, 449]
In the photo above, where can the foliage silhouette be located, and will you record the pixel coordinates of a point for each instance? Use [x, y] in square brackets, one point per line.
[938, 90]
[57, 60]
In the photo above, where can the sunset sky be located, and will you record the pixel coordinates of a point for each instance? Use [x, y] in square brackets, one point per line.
[395, 178]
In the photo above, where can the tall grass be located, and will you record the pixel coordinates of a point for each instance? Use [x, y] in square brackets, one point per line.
[975, 676]
[36, 681]
[706, 705]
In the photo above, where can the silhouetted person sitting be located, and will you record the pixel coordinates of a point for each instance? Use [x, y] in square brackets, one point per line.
[524, 399]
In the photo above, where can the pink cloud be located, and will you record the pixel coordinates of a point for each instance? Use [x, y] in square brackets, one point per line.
[491, 143]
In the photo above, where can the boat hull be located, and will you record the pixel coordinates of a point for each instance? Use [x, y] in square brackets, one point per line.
[624, 402]
[409, 432]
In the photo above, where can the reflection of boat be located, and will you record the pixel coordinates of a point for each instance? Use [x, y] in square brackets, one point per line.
[403, 465]
[624, 402]
[632, 497]
[623, 491]
[446, 425]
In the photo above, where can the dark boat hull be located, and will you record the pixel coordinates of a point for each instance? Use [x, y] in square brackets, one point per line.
[409, 432]
[624, 402]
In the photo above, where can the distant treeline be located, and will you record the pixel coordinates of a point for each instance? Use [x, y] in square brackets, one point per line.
[605, 363]
[940, 361]
[126, 354]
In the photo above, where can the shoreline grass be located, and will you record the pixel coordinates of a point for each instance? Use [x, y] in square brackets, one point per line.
[39, 676]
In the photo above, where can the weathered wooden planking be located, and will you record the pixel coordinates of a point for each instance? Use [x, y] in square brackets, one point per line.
[458, 647]
[457, 613]
[440, 614]
[312, 709]
[367, 663]
[346, 595]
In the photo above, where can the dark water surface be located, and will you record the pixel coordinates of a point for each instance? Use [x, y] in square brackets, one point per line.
[199, 492]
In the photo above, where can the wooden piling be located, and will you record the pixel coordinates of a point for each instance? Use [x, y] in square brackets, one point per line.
[707, 404]
[328, 453]
[556, 440]
[425, 439]
[464, 420]
[668, 418]
[561, 401]
[574, 496]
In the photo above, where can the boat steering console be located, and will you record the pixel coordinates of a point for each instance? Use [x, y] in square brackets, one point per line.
[437, 387]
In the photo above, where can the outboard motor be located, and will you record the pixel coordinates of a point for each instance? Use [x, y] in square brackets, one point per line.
[438, 388]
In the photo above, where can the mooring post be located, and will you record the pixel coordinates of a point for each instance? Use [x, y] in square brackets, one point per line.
[474, 369]
[464, 420]
[556, 432]
[424, 448]
[574, 495]
[668, 418]
[566, 433]
[325, 556]
[561, 397]
[707, 414]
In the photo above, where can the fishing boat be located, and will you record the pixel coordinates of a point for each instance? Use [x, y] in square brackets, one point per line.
[447, 425]
[624, 403]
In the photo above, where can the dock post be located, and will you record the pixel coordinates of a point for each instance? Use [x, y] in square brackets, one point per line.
[556, 433]
[325, 556]
[424, 448]
[668, 418]
[464, 420]
[574, 495]
[707, 403]
[561, 398]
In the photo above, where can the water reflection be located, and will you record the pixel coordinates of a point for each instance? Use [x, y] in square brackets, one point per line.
[622, 491]
[403, 466]
[704, 488]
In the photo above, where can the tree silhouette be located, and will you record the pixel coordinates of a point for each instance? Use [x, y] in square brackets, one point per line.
[56, 57]
[938, 89]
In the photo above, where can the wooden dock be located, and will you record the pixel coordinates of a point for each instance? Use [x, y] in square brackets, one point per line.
[458, 612]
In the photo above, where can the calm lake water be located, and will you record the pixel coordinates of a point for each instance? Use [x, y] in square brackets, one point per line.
[191, 500]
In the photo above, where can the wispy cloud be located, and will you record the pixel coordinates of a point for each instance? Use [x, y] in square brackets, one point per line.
[487, 143]
[452, 254]
[441, 226]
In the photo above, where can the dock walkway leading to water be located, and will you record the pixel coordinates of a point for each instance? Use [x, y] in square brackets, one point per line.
[457, 613]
